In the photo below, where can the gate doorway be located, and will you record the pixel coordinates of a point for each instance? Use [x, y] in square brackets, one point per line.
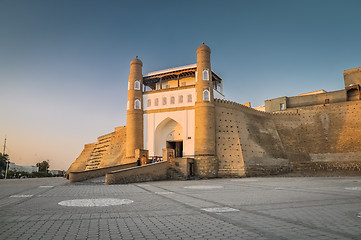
[177, 146]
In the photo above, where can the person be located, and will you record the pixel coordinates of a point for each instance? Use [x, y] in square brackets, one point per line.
[144, 160]
[138, 162]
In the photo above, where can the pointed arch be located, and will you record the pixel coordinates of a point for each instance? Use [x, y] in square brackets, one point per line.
[167, 130]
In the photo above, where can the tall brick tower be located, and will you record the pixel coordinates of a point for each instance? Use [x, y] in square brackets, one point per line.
[135, 108]
[206, 163]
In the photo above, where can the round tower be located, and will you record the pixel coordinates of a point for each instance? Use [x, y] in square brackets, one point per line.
[135, 108]
[205, 133]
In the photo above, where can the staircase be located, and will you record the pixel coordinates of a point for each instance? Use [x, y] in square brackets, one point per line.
[174, 174]
[98, 152]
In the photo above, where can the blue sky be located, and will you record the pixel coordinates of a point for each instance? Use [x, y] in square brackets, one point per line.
[64, 65]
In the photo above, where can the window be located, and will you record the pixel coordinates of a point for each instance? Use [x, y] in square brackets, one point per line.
[327, 101]
[282, 106]
[137, 104]
[156, 101]
[128, 105]
[189, 98]
[164, 100]
[149, 103]
[172, 100]
[205, 74]
[180, 99]
[137, 85]
[206, 95]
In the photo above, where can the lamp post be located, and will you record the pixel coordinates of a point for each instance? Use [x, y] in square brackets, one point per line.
[7, 166]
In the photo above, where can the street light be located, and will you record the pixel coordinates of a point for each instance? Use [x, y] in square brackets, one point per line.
[7, 165]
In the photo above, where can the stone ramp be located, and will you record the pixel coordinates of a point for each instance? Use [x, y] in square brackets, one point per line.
[98, 180]
[96, 173]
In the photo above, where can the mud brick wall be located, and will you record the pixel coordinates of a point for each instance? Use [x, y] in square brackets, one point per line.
[247, 142]
[323, 137]
[324, 132]
[80, 163]
[109, 150]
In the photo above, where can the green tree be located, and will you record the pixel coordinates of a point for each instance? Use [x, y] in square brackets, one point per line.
[3, 159]
[43, 166]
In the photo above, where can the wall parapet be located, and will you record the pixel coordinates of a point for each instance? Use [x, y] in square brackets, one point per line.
[235, 105]
[88, 174]
[286, 113]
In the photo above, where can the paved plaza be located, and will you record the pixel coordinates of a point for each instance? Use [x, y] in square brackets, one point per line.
[245, 208]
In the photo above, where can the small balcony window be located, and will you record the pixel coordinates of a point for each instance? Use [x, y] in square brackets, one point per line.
[172, 100]
[205, 74]
[137, 85]
[206, 95]
[180, 99]
[137, 104]
[156, 102]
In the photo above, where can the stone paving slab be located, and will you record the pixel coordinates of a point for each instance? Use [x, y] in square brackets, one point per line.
[248, 208]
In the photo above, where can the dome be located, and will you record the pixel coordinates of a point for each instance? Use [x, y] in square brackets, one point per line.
[203, 47]
[136, 60]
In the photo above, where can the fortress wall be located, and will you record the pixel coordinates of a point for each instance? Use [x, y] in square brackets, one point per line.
[290, 128]
[247, 141]
[322, 137]
[109, 150]
[114, 154]
[80, 163]
[332, 128]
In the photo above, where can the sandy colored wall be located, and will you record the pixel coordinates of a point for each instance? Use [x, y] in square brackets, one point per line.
[323, 131]
[315, 99]
[80, 163]
[273, 105]
[115, 152]
[352, 76]
[322, 137]
[247, 142]
[109, 150]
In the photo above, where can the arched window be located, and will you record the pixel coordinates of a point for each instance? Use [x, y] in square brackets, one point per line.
[206, 95]
[128, 105]
[180, 99]
[172, 100]
[156, 101]
[205, 74]
[164, 100]
[137, 85]
[137, 104]
[149, 103]
[189, 98]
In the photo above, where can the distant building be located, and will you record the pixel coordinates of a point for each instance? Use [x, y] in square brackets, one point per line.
[18, 168]
[57, 172]
[351, 92]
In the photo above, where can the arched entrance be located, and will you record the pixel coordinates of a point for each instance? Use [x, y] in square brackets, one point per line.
[169, 134]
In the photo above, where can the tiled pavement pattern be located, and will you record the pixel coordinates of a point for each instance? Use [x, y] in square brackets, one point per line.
[259, 208]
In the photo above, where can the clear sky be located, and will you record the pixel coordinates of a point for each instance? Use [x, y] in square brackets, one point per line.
[64, 65]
